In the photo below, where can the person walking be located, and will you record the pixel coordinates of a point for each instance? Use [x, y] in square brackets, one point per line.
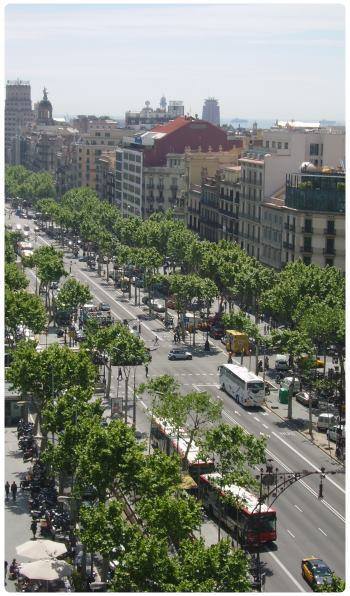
[7, 490]
[229, 360]
[14, 490]
[156, 340]
[5, 572]
[267, 363]
[34, 527]
[120, 374]
[146, 370]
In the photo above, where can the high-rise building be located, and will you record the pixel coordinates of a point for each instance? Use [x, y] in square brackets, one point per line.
[211, 111]
[18, 111]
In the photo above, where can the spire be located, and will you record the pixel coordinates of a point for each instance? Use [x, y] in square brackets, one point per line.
[45, 94]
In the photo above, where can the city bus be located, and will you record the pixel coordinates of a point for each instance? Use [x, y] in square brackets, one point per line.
[245, 387]
[166, 439]
[252, 524]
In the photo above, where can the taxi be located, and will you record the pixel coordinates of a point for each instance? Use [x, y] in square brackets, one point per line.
[316, 572]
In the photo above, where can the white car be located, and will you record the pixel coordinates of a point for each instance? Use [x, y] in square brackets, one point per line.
[332, 433]
[179, 354]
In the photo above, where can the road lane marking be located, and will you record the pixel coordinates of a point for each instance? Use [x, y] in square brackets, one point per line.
[238, 413]
[322, 531]
[301, 482]
[265, 425]
[250, 413]
[308, 462]
[256, 418]
[286, 571]
[298, 508]
[290, 533]
[98, 286]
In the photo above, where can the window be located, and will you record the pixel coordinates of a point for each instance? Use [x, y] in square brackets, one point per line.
[306, 260]
[97, 134]
[330, 226]
[308, 226]
[330, 246]
[329, 262]
[273, 144]
[314, 148]
[286, 145]
[267, 144]
[279, 145]
[307, 244]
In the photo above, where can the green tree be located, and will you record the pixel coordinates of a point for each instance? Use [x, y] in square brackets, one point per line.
[102, 530]
[49, 267]
[14, 278]
[174, 516]
[159, 474]
[337, 585]
[72, 295]
[109, 455]
[23, 309]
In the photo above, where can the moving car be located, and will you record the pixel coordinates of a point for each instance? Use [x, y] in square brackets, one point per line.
[326, 420]
[104, 306]
[334, 431]
[179, 354]
[217, 332]
[158, 305]
[281, 362]
[316, 572]
[303, 397]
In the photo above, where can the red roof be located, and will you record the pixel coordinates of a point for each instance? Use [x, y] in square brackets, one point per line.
[172, 125]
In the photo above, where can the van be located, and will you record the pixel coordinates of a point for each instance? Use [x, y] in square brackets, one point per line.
[237, 342]
[281, 362]
[287, 381]
[326, 420]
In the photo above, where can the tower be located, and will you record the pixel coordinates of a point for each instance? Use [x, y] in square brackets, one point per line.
[211, 111]
[18, 112]
[162, 102]
[45, 110]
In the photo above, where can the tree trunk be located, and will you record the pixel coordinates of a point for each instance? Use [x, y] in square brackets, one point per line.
[109, 381]
[126, 398]
[290, 395]
[310, 417]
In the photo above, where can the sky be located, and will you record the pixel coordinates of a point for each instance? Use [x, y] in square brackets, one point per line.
[259, 60]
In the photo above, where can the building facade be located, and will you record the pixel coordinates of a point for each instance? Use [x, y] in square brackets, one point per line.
[148, 117]
[18, 113]
[211, 111]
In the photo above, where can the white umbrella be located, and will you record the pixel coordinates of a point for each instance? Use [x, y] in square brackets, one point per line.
[41, 549]
[46, 569]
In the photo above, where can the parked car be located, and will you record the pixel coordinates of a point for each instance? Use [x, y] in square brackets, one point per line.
[80, 335]
[334, 431]
[326, 420]
[179, 354]
[54, 285]
[158, 305]
[303, 397]
[281, 362]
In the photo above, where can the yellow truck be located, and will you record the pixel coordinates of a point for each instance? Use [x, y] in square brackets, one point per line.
[237, 342]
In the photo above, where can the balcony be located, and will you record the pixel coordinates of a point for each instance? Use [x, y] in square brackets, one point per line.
[150, 185]
[174, 187]
[193, 209]
[288, 245]
[329, 252]
[307, 230]
[289, 227]
[160, 186]
[329, 232]
[150, 198]
[160, 199]
[306, 249]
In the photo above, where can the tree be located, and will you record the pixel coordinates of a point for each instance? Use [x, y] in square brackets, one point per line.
[216, 568]
[337, 585]
[295, 343]
[174, 516]
[23, 310]
[49, 268]
[45, 374]
[240, 322]
[73, 295]
[102, 530]
[12, 240]
[14, 278]
[109, 455]
[159, 474]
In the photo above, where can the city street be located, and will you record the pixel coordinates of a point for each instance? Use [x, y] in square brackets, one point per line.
[306, 525]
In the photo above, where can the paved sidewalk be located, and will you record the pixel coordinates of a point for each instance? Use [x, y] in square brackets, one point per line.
[17, 519]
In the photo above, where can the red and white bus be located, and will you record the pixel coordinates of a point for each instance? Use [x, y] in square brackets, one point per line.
[165, 438]
[251, 523]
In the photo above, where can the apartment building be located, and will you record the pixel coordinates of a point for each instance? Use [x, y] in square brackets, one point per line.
[167, 173]
[148, 117]
[229, 197]
[105, 176]
[264, 169]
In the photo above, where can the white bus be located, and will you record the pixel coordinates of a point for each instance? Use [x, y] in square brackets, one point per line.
[245, 387]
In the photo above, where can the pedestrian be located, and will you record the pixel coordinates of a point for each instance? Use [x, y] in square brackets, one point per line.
[175, 337]
[146, 370]
[156, 340]
[120, 374]
[267, 364]
[229, 360]
[140, 328]
[5, 572]
[14, 490]
[34, 527]
[260, 365]
[7, 490]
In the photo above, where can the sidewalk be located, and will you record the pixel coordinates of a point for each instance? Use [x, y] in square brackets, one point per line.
[17, 519]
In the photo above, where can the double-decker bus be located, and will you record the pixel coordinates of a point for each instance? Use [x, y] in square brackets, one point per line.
[165, 438]
[252, 524]
[245, 387]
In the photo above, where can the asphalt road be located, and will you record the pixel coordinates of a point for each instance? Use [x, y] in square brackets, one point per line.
[306, 525]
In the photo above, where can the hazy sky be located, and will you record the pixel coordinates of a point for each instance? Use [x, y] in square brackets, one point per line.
[258, 60]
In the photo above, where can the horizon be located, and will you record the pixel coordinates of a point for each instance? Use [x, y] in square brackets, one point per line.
[288, 59]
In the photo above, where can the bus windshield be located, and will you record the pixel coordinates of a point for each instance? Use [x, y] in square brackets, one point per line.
[263, 523]
[255, 387]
